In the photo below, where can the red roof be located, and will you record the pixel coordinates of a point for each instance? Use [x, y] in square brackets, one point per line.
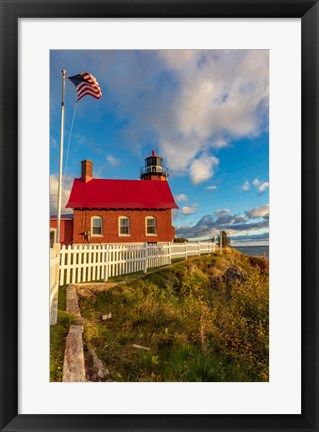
[128, 194]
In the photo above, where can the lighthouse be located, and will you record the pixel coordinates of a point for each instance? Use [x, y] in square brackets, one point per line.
[154, 169]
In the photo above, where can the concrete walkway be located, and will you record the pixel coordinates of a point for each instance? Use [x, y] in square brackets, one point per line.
[73, 365]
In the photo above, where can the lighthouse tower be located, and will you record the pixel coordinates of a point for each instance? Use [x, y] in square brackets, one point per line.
[154, 169]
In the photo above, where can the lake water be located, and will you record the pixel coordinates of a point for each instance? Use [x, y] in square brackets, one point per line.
[253, 250]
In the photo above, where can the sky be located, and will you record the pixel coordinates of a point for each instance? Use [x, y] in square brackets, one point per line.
[206, 113]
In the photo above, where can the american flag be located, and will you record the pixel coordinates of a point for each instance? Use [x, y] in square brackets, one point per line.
[86, 84]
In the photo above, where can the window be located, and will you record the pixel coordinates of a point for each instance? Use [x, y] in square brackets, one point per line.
[52, 237]
[124, 226]
[96, 226]
[150, 225]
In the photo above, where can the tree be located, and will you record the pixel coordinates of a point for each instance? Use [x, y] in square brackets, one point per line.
[180, 240]
[225, 240]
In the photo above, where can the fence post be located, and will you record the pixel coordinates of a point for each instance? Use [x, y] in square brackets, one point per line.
[54, 294]
[169, 252]
[198, 247]
[186, 255]
[145, 257]
[62, 263]
[106, 259]
[56, 247]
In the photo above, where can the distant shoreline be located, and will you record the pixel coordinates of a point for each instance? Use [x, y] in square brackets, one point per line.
[250, 245]
[254, 250]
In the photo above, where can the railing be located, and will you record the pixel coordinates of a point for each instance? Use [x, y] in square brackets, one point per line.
[154, 169]
[92, 262]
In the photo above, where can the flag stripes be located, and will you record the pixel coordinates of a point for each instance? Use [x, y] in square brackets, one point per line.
[86, 84]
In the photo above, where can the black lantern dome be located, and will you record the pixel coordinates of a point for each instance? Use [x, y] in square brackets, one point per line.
[154, 169]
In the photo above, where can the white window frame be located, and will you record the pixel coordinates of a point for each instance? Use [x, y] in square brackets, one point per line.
[150, 234]
[119, 226]
[53, 230]
[100, 219]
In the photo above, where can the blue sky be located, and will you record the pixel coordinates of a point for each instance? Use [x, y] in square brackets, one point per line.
[204, 112]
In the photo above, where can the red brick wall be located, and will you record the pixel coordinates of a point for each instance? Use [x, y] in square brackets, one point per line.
[66, 234]
[82, 222]
[86, 170]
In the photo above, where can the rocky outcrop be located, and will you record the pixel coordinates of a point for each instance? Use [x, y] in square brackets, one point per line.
[234, 274]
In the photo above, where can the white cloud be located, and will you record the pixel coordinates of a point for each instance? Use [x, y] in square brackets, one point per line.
[113, 160]
[202, 169]
[224, 219]
[258, 212]
[220, 143]
[175, 214]
[222, 95]
[193, 101]
[246, 186]
[221, 212]
[262, 187]
[188, 210]
[211, 188]
[181, 198]
[54, 185]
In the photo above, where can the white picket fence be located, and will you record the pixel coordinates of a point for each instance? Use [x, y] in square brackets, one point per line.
[92, 262]
[54, 282]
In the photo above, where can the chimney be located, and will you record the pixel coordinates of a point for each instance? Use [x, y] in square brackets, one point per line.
[86, 170]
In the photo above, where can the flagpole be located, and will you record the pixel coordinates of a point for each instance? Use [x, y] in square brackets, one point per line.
[61, 158]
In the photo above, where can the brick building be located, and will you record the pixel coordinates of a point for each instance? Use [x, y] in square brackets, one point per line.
[123, 211]
[66, 229]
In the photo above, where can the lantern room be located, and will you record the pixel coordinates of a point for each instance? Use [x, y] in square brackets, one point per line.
[154, 169]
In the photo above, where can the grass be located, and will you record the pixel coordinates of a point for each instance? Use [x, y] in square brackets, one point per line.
[58, 334]
[196, 330]
[125, 277]
[121, 278]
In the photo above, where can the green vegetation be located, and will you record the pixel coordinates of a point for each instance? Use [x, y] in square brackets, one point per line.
[205, 319]
[225, 239]
[124, 277]
[58, 334]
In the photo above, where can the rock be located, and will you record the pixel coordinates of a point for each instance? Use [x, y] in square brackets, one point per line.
[215, 281]
[234, 274]
[95, 367]
[106, 317]
[101, 371]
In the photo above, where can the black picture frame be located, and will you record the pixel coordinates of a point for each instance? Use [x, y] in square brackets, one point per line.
[11, 11]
